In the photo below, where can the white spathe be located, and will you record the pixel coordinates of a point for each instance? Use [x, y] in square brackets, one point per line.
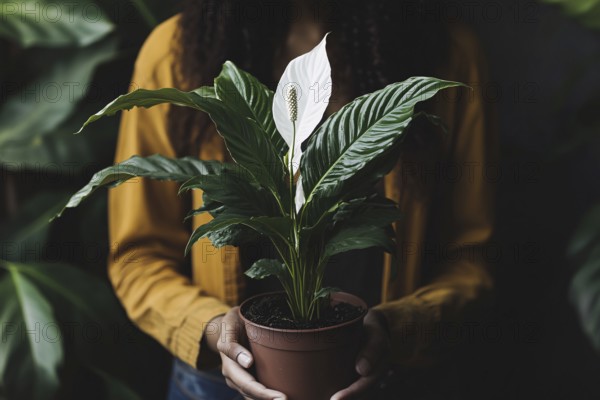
[310, 75]
[300, 198]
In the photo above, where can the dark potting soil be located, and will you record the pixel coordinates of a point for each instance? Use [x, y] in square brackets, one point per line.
[273, 311]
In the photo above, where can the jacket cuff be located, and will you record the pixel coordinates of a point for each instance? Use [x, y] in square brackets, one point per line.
[186, 340]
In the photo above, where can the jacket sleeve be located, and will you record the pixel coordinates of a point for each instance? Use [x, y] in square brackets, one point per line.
[460, 283]
[146, 226]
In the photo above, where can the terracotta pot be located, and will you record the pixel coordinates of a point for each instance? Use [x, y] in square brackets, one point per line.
[306, 364]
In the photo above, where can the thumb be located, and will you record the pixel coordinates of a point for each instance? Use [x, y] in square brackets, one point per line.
[229, 342]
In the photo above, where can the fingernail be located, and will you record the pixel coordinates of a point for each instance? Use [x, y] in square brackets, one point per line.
[244, 360]
[363, 367]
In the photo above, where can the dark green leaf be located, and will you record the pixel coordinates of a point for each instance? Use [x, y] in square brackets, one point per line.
[150, 98]
[27, 351]
[217, 224]
[248, 97]
[211, 207]
[78, 289]
[359, 237]
[58, 147]
[276, 228]
[587, 233]
[585, 295]
[52, 23]
[584, 251]
[266, 267]
[29, 229]
[250, 148]
[49, 100]
[115, 388]
[233, 235]
[244, 138]
[325, 292]
[234, 190]
[586, 11]
[351, 140]
[153, 167]
[375, 211]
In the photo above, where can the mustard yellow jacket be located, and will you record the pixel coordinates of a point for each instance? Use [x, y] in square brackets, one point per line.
[148, 236]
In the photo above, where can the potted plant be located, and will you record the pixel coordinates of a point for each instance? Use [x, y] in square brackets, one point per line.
[309, 188]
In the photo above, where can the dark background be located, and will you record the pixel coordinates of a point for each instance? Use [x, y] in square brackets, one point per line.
[545, 66]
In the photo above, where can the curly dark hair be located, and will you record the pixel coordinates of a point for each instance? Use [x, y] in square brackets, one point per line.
[373, 43]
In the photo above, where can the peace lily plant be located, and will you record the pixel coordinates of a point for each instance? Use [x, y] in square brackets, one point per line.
[309, 188]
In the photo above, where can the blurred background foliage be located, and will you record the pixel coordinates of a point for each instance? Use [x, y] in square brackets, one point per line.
[586, 11]
[583, 249]
[63, 333]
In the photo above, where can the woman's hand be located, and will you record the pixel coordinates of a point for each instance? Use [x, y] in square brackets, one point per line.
[371, 362]
[226, 333]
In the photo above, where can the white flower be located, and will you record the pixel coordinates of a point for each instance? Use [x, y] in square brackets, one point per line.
[300, 101]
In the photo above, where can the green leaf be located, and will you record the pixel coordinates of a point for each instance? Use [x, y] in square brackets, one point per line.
[585, 295]
[75, 296]
[326, 292]
[150, 98]
[50, 100]
[76, 288]
[351, 140]
[115, 388]
[46, 23]
[59, 147]
[362, 224]
[375, 211]
[587, 233]
[29, 351]
[266, 267]
[276, 228]
[211, 207]
[153, 167]
[234, 235]
[234, 190]
[584, 251]
[220, 222]
[359, 237]
[586, 11]
[30, 228]
[248, 97]
[247, 143]
[250, 148]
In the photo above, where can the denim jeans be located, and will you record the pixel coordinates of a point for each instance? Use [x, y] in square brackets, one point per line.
[188, 383]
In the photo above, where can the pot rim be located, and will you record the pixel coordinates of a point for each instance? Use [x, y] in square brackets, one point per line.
[309, 330]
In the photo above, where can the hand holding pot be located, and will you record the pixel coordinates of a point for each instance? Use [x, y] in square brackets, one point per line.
[236, 359]
[371, 362]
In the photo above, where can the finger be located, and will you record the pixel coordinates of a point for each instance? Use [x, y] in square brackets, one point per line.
[357, 388]
[234, 387]
[236, 352]
[229, 342]
[244, 382]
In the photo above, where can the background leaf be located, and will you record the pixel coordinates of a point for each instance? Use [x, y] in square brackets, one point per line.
[584, 251]
[53, 23]
[51, 98]
[29, 349]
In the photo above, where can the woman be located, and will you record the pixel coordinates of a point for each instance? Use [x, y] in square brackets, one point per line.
[192, 311]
